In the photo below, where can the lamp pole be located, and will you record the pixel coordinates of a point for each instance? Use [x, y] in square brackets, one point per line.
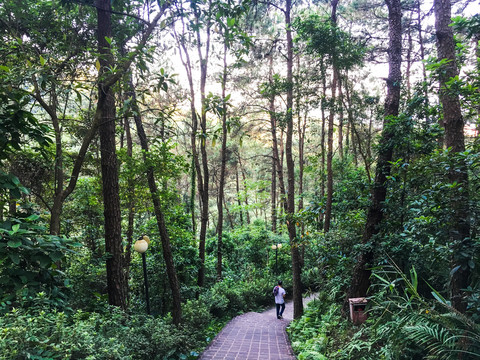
[141, 245]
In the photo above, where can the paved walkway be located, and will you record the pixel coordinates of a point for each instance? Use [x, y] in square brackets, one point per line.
[254, 336]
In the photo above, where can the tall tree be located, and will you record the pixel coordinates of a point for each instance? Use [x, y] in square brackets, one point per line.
[361, 273]
[105, 115]
[221, 186]
[162, 228]
[290, 210]
[200, 25]
[459, 232]
[109, 162]
[333, 87]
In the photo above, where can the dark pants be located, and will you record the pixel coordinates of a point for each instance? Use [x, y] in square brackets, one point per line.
[280, 309]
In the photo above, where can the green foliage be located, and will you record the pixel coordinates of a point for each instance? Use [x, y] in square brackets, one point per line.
[112, 334]
[30, 261]
[311, 334]
[328, 41]
[16, 123]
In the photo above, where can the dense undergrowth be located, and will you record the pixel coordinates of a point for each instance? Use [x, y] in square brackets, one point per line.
[70, 319]
[401, 325]
[44, 332]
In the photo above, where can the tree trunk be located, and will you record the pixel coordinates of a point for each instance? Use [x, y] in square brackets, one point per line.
[296, 270]
[328, 205]
[245, 187]
[322, 140]
[462, 248]
[223, 165]
[162, 228]
[340, 118]
[201, 170]
[361, 273]
[275, 156]
[409, 57]
[109, 163]
[131, 208]
[204, 194]
[239, 202]
[274, 196]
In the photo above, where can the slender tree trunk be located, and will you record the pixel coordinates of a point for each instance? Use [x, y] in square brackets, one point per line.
[229, 215]
[223, 165]
[361, 273]
[162, 228]
[204, 194]
[131, 208]
[462, 248]
[422, 58]
[274, 196]
[340, 118]
[201, 170]
[409, 57]
[328, 205]
[238, 193]
[349, 107]
[322, 140]
[290, 210]
[275, 156]
[245, 187]
[109, 163]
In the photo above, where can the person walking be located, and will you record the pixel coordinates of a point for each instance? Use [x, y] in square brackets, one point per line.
[279, 293]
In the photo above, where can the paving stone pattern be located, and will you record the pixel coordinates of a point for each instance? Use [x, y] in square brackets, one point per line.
[253, 336]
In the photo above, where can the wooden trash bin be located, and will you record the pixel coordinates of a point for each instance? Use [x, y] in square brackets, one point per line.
[358, 314]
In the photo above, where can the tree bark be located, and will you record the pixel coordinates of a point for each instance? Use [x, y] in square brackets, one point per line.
[274, 197]
[109, 163]
[239, 202]
[361, 273]
[459, 231]
[221, 191]
[131, 209]
[296, 269]
[340, 118]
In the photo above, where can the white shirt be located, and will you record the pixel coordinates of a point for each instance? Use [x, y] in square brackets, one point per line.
[279, 297]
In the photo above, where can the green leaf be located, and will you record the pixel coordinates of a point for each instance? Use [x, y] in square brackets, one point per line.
[230, 22]
[56, 256]
[33, 217]
[4, 68]
[15, 258]
[43, 259]
[108, 40]
[14, 243]
[42, 60]
[15, 228]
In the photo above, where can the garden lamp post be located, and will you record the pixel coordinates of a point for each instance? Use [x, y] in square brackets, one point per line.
[140, 246]
[276, 247]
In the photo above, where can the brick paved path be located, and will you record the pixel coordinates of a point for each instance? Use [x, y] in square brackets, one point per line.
[254, 336]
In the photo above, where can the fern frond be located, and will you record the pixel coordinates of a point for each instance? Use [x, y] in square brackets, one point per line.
[438, 341]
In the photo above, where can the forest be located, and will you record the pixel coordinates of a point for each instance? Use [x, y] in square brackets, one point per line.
[163, 163]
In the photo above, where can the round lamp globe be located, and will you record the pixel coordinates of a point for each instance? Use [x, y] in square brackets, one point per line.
[140, 246]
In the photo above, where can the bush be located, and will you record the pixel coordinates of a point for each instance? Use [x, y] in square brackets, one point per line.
[100, 336]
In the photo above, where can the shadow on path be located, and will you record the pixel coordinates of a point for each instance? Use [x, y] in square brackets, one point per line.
[254, 336]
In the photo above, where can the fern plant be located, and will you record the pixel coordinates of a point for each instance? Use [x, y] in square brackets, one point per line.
[409, 320]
